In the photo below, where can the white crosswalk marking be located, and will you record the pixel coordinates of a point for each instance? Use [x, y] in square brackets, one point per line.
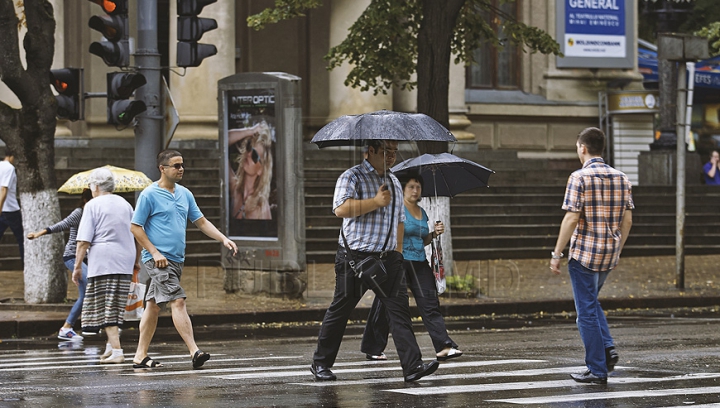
[542, 384]
[520, 382]
[609, 395]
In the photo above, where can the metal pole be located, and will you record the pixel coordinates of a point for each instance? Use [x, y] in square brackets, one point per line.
[680, 206]
[148, 132]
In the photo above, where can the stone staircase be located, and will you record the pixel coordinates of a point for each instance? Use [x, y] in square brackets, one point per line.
[517, 217]
[202, 177]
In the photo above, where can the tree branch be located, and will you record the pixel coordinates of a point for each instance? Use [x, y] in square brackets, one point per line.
[11, 70]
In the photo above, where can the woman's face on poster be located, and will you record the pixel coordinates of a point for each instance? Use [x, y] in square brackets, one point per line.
[254, 156]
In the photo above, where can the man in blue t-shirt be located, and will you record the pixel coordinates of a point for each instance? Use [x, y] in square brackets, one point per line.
[159, 223]
[711, 170]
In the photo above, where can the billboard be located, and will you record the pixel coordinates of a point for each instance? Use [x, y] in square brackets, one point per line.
[252, 177]
[596, 33]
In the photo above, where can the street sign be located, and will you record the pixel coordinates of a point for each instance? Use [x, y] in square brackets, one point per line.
[171, 118]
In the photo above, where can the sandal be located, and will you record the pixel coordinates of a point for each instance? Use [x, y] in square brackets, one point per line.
[381, 357]
[199, 358]
[452, 353]
[147, 362]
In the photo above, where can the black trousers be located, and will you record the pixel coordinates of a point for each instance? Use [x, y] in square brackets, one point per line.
[348, 292]
[422, 284]
[13, 220]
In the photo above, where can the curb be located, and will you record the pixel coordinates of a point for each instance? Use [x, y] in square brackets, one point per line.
[23, 328]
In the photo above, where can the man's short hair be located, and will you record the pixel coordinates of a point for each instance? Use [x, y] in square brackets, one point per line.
[593, 139]
[9, 152]
[376, 144]
[163, 158]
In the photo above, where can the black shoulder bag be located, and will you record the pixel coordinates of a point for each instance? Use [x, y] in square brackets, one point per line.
[371, 270]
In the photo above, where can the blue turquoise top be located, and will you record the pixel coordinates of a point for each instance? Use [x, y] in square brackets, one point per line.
[164, 217]
[415, 231]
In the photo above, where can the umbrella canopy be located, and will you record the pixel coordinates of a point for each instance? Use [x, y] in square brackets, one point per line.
[125, 181]
[354, 130]
[444, 174]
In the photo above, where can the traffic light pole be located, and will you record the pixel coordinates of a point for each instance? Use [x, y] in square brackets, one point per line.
[149, 131]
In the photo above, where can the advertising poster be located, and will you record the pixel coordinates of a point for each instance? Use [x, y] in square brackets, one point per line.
[252, 204]
[595, 29]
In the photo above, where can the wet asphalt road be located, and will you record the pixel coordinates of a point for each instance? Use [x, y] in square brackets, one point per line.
[664, 362]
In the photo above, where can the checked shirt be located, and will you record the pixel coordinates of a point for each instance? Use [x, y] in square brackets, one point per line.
[367, 232]
[601, 194]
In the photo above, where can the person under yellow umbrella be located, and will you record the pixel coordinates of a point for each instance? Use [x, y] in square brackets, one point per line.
[125, 181]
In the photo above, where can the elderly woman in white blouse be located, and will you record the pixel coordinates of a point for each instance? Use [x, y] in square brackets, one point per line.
[104, 233]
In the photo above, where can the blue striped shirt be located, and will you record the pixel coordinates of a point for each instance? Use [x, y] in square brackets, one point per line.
[368, 232]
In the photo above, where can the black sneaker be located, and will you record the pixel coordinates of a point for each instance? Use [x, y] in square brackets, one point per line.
[611, 358]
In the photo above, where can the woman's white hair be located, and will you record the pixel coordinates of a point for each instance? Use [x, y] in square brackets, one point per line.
[103, 179]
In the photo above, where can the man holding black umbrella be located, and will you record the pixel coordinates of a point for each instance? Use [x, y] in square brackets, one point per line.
[370, 201]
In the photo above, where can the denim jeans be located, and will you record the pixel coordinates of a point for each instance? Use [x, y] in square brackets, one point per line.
[82, 284]
[591, 321]
[13, 220]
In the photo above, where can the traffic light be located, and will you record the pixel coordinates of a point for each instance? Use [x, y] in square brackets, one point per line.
[120, 87]
[68, 82]
[190, 28]
[115, 51]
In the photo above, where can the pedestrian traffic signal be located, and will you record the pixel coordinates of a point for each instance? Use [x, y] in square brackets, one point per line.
[68, 82]
[115, 51]
[190, 28]
[120, 86]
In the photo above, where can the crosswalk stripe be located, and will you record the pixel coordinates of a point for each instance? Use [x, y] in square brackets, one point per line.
[440, 377]
[609, 395]
[455, 389]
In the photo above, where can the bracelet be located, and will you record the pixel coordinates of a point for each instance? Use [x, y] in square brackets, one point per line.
[552, 254]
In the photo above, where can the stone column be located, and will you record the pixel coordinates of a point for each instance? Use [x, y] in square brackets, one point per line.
[195, 94]
[345, 100]
[456, 104]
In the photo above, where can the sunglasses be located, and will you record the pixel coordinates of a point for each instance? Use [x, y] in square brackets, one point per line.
[253, 153]
[177, 166]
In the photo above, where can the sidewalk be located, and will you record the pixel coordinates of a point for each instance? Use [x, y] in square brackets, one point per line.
[506, 287]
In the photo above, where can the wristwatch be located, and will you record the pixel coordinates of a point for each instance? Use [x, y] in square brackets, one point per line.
[556, 256]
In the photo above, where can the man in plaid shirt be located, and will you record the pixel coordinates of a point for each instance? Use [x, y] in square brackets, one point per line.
[598, 201]
[373, 224]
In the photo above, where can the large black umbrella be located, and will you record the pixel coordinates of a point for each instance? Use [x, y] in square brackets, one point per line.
[444, 174]
[354, 130]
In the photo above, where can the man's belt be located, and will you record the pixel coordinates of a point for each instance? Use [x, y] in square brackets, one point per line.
[363, 254]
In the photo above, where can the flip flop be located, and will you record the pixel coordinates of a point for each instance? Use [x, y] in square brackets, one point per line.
[381, 357]
[452, 353]
[199, 358]
[147, 362]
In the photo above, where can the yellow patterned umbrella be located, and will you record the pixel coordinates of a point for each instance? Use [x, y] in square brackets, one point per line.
[125, 181]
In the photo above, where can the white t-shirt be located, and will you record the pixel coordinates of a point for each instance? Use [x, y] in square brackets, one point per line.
[105, 224]
[8, 179]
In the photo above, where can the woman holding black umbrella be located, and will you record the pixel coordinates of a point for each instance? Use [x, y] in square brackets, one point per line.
[420, 278]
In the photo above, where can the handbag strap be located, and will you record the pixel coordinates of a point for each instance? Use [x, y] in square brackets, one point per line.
[387, 238]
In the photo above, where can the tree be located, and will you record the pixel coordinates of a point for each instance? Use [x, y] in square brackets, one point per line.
[712, 33]
[30, 132]
[393, 39]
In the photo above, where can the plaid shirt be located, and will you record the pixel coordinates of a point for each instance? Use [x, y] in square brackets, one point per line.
[367, 232]
[601, 194]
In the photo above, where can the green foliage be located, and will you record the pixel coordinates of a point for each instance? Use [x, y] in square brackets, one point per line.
[284, 10]
[382, 45]
[712, 33]
[473, 30]
[460, 283]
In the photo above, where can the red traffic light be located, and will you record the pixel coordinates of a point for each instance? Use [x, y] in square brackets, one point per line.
[113, 7]
[68, 82]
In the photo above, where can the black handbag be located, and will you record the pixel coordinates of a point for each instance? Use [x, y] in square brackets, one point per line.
[371, 269]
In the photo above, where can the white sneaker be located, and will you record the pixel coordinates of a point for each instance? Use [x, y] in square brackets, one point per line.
[69, 335]
[116, 357]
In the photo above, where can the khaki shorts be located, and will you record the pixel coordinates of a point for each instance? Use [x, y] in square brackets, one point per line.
[164, 283]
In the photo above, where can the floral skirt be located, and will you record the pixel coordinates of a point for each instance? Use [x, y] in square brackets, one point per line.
[105, 300]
